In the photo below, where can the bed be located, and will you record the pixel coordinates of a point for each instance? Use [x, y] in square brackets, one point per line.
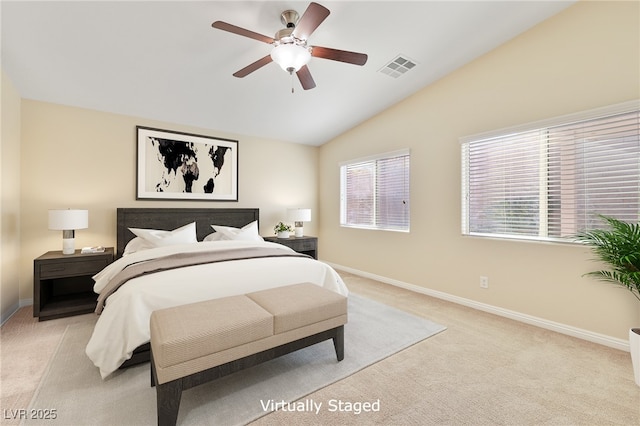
[121, 333]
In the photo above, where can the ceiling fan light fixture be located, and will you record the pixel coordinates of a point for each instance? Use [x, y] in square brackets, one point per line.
[290, 56]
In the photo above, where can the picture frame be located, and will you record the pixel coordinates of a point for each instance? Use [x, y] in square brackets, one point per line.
[183, 166]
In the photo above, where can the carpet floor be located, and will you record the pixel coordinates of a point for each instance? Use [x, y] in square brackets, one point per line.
[484, 370]
[71, 384]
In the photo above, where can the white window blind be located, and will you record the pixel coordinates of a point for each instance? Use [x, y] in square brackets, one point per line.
[551, 181]
[374, 192]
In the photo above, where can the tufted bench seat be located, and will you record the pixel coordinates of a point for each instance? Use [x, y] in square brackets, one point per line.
[195, 343]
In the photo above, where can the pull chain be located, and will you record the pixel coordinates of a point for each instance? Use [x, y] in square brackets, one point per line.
[291, 70]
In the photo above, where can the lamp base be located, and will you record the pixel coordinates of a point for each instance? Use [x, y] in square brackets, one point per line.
[68, 242]
[299, 230]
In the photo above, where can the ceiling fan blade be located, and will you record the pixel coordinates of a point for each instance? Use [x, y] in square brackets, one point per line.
[241, 31]
[339, 55]
[310, 20]
[304, 75]
[252, 67]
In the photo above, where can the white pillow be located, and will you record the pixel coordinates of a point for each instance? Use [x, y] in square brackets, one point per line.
[214, 236]
[158, 238]
[246, 233]
[137, 244]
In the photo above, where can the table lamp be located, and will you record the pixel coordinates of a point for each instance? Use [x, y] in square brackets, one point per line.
[299, 216]
[68, 221]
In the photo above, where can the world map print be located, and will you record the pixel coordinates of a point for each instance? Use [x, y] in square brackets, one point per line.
[173, 167]
[180, 160]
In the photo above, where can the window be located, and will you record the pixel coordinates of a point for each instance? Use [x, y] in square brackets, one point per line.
[549, 180]
[374, 192]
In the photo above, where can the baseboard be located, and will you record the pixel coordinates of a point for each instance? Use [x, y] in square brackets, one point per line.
[6, 315]
[590, 336]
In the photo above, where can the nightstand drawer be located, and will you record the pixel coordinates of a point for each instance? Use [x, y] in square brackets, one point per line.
[306, 245]
[303, 244]
[68, 269]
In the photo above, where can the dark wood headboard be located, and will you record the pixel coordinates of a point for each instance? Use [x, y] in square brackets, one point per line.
[170, 218]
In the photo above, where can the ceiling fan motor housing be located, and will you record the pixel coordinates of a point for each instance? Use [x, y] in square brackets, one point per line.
[284, 36]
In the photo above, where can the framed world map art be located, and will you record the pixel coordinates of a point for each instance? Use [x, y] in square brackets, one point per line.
[183, 166]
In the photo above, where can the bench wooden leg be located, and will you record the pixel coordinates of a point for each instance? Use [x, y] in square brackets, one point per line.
[168, 399]
[153, 373]
[338, 342]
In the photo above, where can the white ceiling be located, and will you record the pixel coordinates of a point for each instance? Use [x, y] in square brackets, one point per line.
[162, 60]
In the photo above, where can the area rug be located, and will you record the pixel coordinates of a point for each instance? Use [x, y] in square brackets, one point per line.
[74, 394]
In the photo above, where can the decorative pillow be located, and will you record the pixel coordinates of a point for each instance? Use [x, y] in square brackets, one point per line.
[246, 233]
[158, 238]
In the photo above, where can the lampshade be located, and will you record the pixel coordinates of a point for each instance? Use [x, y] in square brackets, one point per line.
[66, 220]
[299, 215]
[290, 56]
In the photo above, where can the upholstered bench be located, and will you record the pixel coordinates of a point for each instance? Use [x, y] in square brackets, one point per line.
[195, 343]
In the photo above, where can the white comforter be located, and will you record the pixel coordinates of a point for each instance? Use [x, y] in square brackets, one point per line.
[124, 323]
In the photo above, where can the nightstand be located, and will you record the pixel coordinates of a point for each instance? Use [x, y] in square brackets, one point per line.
[306, 245]
[62, 284]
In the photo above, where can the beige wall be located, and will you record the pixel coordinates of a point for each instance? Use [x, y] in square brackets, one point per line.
[86, 159]
[585, 57]
[10, 203]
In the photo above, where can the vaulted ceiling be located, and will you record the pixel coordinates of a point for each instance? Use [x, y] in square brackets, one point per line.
[162, 60]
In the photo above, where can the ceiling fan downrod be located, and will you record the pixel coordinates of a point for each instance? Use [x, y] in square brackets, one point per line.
[289, 18]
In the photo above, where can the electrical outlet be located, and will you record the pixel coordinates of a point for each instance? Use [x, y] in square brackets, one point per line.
[484, 282]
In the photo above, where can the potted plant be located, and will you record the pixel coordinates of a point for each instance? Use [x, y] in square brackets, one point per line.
[282, 230]
[619, 247]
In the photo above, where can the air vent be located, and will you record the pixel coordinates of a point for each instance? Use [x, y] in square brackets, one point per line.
[398, 66]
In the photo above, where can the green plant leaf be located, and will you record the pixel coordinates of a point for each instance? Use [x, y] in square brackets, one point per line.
[619, 247]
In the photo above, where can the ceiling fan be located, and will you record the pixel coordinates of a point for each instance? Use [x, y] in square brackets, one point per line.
[291, 50]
